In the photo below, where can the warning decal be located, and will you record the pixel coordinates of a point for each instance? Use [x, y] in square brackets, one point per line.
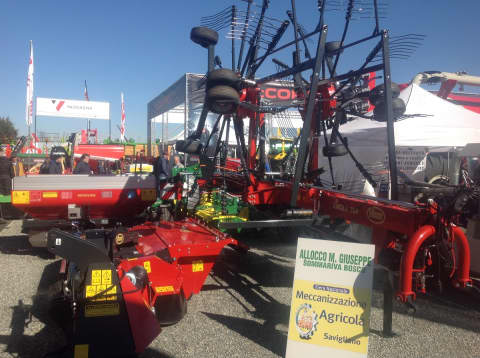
[103, 309]
[101, 289]
[197, 266]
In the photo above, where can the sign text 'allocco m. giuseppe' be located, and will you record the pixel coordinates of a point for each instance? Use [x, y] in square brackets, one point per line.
[330, 310]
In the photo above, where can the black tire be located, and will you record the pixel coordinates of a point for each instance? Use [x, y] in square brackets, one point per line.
[331, 47]
[204, 36]
[377, 94]
[398, 107]
[334, 150]
[170, 309]
[222, 99]
[222, 76]
[188, 146]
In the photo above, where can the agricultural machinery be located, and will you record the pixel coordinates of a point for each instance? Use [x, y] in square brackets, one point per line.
[123, 277]
[126, 275]
[421, 240]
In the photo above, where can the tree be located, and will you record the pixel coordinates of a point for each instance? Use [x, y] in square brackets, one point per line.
[8, 132]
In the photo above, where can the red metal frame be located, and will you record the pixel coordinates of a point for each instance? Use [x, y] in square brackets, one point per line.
[100, 203]
[192, 250]
[388, 219]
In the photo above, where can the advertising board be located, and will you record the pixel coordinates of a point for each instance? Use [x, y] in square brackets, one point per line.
[69, 108]
[331, 298]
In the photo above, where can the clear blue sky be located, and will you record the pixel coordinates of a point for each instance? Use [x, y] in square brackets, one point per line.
[141, 47]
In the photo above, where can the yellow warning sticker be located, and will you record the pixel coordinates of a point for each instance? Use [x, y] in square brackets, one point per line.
[20, 197]
[106, 277]
[80, 351]
[146, 265]
[197, 266]
[102, 309]
[162, 289]
[101, 291]
[90, 291]
[96, 277]
[49, 194]
[149, 195]
[112, 293]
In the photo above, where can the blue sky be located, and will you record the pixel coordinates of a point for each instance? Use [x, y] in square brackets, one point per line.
[141, 47]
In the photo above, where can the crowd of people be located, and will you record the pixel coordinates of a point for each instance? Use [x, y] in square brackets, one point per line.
[164, 167]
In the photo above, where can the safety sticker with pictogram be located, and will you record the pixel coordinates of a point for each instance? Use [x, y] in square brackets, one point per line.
[101, 286]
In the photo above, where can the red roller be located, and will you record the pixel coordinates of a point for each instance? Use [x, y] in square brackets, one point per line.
[462, 277]
[408, 257]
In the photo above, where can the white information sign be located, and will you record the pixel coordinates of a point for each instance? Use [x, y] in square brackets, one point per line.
[69, 108]
[331, 298]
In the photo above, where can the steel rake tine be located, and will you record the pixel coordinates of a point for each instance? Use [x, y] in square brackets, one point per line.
[220, 13]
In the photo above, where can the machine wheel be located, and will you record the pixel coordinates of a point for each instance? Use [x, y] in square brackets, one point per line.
[204, 36]
[331, 47]
[170, 309]
[398, 107]
[377, 95]
[188, 146]
[222, 76]
[222, 99]
[334, 150]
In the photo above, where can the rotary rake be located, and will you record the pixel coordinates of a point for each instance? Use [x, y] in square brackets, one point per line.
[420, 237]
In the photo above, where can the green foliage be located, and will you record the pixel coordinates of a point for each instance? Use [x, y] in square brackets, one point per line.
[8, 132]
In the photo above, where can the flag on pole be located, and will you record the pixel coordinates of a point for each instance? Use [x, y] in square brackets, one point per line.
[122, 127]
[29, 100]
[85, 91]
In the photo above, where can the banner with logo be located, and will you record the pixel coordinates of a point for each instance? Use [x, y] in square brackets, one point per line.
[122, 126]
[68, 108]
[29, 97]
[331, 298]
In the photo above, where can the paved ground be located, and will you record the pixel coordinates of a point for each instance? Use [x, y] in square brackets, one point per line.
[242, 312]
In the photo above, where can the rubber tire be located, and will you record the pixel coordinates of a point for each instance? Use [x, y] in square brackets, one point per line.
[170, 309]
[189, 147]
[204, 36]
[398, 107]
[223, 77]
[334, 150]
[332, 46]
[377, 94]
[222, 99]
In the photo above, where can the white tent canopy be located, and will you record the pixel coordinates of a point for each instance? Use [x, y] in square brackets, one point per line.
[433, 123]
[437, 123]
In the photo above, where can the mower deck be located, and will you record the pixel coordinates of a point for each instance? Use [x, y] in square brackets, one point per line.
[135, 280]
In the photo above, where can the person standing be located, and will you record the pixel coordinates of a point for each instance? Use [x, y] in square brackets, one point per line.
[162, 172]
[177, 163]
[55, 166]
[82, 166]
[6, 174]
[163, 167]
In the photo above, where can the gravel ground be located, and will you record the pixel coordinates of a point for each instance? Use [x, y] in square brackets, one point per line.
[242, 311]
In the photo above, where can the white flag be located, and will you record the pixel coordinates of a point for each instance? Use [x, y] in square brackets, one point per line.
[122, 127]
[29, 102]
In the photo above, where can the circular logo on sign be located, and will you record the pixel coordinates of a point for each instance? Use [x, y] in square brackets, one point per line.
[306, 321]
[375, 215]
